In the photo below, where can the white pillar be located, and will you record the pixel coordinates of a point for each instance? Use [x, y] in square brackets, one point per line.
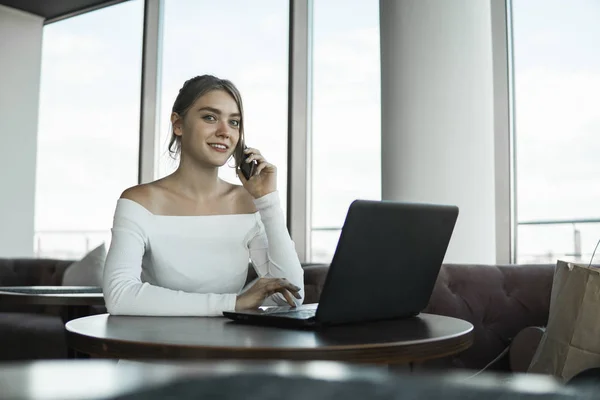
[20, 65]
[437, 105]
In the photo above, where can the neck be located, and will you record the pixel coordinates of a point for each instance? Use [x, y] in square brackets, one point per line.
[196, 181]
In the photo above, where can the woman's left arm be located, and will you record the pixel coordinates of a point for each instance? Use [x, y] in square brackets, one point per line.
[272, 250]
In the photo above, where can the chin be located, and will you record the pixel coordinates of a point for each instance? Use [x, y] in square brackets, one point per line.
[219, 163]
[210, 162]
[217, 160]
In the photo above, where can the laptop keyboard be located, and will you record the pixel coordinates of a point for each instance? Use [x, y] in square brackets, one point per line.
[302, 313]
[296, 314]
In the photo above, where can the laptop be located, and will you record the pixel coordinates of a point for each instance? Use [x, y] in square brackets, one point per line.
[385, 266]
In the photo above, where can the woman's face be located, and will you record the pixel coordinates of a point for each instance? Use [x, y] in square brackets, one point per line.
[210, 129]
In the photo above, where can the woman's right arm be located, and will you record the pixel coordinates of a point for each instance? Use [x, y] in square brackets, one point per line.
[126, 294]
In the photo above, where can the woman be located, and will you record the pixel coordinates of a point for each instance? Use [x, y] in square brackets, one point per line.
[181, 244]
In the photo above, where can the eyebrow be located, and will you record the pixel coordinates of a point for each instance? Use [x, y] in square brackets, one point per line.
[217, 111]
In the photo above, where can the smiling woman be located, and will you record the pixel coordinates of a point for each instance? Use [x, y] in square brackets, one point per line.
[245, 41]
[182, 244]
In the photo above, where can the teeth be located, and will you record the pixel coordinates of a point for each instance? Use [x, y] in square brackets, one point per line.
[219, 146]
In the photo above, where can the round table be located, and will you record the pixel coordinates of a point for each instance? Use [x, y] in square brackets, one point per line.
[75, 300]
[402, 341]
[52, 295]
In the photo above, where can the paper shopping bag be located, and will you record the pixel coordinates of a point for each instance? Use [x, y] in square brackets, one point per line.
[571, 342]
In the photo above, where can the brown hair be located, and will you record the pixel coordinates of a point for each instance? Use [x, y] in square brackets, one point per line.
[195, 88]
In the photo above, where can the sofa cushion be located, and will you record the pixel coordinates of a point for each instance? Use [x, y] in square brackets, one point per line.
[31, 336]
[87, 271]
[499, 301]
[523, 348]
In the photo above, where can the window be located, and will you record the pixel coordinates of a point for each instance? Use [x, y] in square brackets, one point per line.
[245, 42]
[557, 126]
[88, 134]
[346, 127]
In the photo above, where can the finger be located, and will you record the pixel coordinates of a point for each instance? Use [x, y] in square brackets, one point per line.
[275, 285]
[291, 288]
[289, 285]
[264, 165]
[288, 297]
[251, 150]
[257, 157]
[294, 290]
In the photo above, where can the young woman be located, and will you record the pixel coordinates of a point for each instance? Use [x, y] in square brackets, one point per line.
[181, 245]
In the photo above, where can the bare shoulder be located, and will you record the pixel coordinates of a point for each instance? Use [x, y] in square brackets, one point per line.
[243, 200]
[142, 194]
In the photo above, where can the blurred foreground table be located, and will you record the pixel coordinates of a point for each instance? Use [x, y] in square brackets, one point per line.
[105, 379]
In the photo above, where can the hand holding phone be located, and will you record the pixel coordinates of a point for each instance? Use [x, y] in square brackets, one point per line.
[258, 176]
[248, 168]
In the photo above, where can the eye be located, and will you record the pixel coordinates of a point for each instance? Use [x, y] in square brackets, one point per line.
[235, 123]
[209, 118]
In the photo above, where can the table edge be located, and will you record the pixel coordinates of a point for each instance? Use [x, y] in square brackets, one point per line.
[372, 346]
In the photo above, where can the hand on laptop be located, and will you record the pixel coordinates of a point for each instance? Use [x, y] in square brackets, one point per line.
[263, 288]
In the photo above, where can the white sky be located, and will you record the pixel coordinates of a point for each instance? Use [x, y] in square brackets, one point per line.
[89, 106]
[557, 94]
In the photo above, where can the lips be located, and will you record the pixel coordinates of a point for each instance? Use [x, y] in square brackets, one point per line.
[220, 147]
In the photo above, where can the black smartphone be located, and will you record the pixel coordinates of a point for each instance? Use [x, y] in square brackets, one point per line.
[248, 168]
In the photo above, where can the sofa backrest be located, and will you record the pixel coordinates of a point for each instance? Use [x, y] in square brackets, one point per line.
[499, 300]
[32, 271]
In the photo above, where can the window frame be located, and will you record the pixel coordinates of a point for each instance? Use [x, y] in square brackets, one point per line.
[300, 118]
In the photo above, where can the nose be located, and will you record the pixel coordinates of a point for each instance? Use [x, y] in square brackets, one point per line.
[223, 129]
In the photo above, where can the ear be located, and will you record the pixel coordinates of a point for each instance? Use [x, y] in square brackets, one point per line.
[177, 122]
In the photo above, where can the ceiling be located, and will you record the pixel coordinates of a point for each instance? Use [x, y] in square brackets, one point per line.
[57, 9]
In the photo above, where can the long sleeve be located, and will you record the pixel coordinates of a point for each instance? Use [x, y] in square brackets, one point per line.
[272, 251]
[124, 291]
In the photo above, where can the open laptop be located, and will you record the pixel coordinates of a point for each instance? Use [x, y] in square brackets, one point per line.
[387, 260]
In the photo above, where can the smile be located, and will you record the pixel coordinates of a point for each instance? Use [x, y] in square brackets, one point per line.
[218, 147]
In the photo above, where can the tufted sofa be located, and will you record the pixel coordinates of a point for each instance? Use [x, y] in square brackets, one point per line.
[499, 300]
